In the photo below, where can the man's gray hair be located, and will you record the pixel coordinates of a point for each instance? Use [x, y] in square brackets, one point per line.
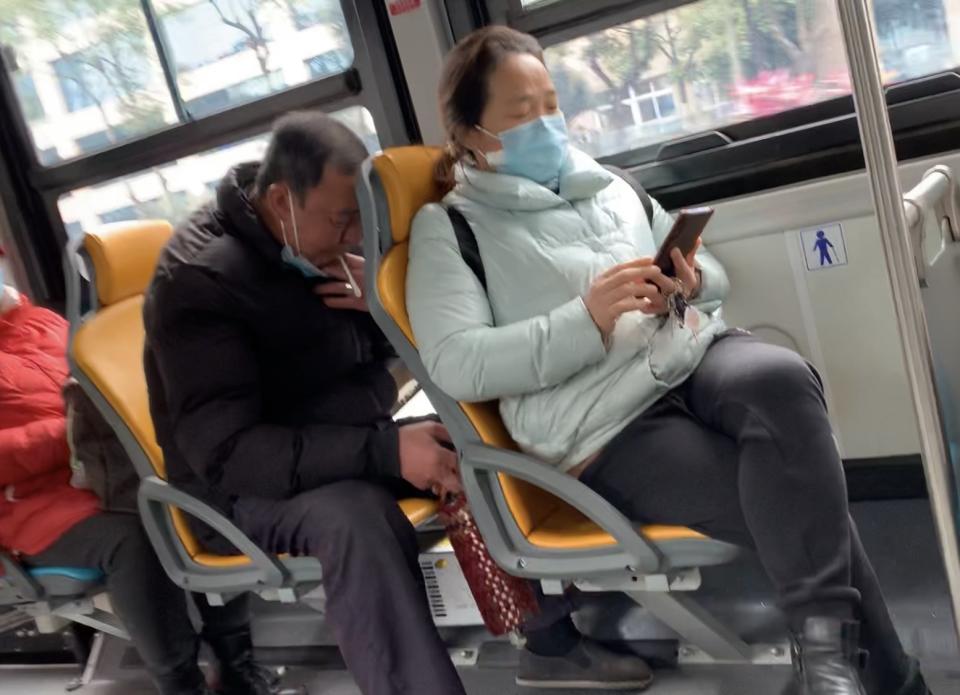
[303, 145]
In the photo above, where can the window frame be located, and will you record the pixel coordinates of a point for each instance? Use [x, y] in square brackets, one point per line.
[802, 144]
[29, 191]
[562, 20]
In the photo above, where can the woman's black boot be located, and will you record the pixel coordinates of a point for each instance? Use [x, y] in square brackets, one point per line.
[827, 658]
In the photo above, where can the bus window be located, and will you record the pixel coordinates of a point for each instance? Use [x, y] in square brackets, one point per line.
[710, 64]
[81, 96]
[172, 191]
[261, 45]
[125, 109]
[105, 85]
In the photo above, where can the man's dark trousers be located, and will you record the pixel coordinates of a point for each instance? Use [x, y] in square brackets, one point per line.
[376, 600]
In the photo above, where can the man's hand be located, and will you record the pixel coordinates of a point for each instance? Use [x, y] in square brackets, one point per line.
[339, 294]
[424, 462]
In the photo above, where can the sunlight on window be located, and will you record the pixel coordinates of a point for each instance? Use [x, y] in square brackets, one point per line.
[252, 48]
[86, 79]
[712, 63]
[88, 75]
[172, 191]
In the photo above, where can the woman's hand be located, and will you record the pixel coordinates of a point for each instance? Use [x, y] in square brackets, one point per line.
[635, 286]
[686, 269]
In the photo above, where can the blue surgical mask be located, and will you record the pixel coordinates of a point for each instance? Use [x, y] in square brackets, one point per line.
[293, 258]
[535, 150]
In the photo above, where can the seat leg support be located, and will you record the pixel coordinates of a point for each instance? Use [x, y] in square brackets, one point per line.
[694, 624]
[90, 668]
[101, 621]
[14, 619]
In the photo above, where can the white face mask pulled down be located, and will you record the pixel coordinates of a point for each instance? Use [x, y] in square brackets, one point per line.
[296, 260]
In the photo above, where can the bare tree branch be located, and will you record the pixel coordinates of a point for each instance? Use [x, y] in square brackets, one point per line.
[258, 39]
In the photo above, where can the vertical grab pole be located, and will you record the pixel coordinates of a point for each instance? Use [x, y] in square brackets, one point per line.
[881, 160]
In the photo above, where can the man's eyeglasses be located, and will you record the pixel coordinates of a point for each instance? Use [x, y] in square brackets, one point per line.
[342, 222]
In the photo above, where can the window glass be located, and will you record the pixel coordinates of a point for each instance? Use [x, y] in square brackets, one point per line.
[712, 63]
[88, 75]
[251, 48]
[85, 72]
[98, 74]
[917, 37]
[174, 190]
[220, 39]
[26, 90]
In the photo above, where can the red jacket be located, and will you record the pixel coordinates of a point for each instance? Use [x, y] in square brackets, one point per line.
[37, 504]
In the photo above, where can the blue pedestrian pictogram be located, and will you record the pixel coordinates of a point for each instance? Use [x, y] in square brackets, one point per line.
[823, 245]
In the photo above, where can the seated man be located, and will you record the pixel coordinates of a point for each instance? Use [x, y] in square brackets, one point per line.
[46, 522]
[271, 396]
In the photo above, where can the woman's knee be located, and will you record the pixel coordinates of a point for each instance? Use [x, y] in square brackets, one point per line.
[776, 375]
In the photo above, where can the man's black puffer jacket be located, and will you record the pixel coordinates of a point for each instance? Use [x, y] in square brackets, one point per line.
[256, 387]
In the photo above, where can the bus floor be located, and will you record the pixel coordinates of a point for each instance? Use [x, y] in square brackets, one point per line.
[898, 535]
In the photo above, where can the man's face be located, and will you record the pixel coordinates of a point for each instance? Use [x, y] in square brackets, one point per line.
[328, 222]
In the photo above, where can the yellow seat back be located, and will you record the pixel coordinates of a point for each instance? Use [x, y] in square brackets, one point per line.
[406, 176]
[108, 350]
[124, 256]
[108, 347]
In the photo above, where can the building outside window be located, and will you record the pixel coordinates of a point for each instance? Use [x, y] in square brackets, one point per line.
[711, 63]
[88, 77]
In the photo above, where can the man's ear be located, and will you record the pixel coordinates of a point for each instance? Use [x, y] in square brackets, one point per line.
[276, 198]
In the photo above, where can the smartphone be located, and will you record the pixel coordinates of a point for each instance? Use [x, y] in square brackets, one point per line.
[687, 228]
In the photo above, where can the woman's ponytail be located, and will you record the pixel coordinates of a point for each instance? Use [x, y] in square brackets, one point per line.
[445, 171]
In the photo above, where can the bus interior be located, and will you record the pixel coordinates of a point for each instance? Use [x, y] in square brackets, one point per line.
[775, 112]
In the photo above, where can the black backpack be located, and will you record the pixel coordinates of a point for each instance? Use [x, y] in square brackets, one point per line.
[467, 240]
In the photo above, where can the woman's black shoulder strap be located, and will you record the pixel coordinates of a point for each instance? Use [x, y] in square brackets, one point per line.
[467, 240]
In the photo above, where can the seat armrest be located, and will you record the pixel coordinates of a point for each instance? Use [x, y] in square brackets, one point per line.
[154, 498]
[14, 573]
[568, 489]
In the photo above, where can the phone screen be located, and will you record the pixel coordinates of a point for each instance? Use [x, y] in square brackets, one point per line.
[687, 228]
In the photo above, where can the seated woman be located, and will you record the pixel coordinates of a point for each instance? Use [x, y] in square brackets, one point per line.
[673, 422]
[47, 522]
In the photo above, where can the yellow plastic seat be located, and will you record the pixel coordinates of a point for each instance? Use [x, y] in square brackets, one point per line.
[405, 174]
[536, 521]
[107, 357]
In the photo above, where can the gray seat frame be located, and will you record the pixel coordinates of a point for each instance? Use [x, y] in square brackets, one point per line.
[55, 599]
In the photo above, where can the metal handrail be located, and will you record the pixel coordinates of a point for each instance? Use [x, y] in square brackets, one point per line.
[881, 161]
